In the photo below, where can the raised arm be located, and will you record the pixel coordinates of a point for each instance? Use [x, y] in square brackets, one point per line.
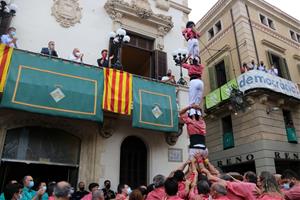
[211, 168]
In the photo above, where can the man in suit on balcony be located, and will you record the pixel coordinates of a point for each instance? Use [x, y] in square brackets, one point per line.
[50, 50]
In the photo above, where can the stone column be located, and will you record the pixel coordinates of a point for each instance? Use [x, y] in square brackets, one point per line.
[243, 31]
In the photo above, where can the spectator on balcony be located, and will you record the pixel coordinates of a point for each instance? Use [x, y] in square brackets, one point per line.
[252, 65]
[169, 78]
[244, 68]
[273, 70]
[50, 50]
[10, 38]
[103, 61]
[76, 56]
[262, 67]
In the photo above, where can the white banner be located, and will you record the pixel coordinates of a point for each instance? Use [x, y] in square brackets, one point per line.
[258, 79]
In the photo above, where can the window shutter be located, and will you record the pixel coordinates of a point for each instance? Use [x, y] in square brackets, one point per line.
[228, 140]
[227, 67]
[212, 77]
[161, 64]
[269, 56]
[284, 69]
[291, 135]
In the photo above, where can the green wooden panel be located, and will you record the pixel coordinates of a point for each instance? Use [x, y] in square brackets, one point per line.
[212, 78]
[291, 135]
[228, 140]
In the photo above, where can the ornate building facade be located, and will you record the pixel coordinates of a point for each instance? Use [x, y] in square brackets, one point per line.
[95, 152]
[263, 134]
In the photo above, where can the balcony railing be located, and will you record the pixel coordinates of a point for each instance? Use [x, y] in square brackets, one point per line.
[252, 80]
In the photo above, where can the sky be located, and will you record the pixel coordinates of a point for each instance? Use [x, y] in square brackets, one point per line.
[200, 7]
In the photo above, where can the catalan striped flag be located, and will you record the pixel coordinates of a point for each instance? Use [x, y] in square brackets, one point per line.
[5, 56]
[117, 96]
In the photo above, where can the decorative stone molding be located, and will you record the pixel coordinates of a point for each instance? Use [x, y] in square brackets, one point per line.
[163, 4]
[138, 9]
[280, 102]
[171, 138]
[296, 57]
[224, 49]
[181, 7]
[263, 99]
[142, 8]
[106, 129]
[17, 121]
[274, 34]
[250, 100]
[273, 46]
[66, 12]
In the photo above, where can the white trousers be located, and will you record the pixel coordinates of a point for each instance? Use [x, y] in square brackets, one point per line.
[195, 94]
[193, 47]
[193, 152]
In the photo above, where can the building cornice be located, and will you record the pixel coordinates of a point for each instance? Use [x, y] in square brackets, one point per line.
[221, 4]
[119, 9]
[275, 35]
[276, 12]
[180, 7]
[273, 46]
[296, 57]
[272, 10]
[217, 54]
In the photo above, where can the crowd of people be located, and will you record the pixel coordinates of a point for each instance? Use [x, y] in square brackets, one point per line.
[273, 70]
[196, 179]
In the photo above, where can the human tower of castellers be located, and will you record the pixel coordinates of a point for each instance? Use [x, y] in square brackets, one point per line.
[196, 179]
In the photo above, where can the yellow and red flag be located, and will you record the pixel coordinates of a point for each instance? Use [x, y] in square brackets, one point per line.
[5, 56]
[117, 96]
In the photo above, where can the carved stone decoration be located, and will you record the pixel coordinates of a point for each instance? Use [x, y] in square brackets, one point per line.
[171, 138]
[163, 4]
[106, 130]
[138, 9]
[142, 8]
[66, 12]
[263, 99]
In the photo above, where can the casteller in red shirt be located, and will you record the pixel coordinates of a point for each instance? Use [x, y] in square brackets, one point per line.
[271, 196]
[293, 193]
[157, 194]
[194, 70]
[194, 127]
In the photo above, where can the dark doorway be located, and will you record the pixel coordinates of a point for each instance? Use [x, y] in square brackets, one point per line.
[221, 73]
[133, 162]
[240, 168]
[45, 153]
[282, 165]
[39, 172]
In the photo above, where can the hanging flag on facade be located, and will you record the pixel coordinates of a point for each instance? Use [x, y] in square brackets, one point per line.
[5, 56]
[53, 87]
[154, 106]
[117, 96]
